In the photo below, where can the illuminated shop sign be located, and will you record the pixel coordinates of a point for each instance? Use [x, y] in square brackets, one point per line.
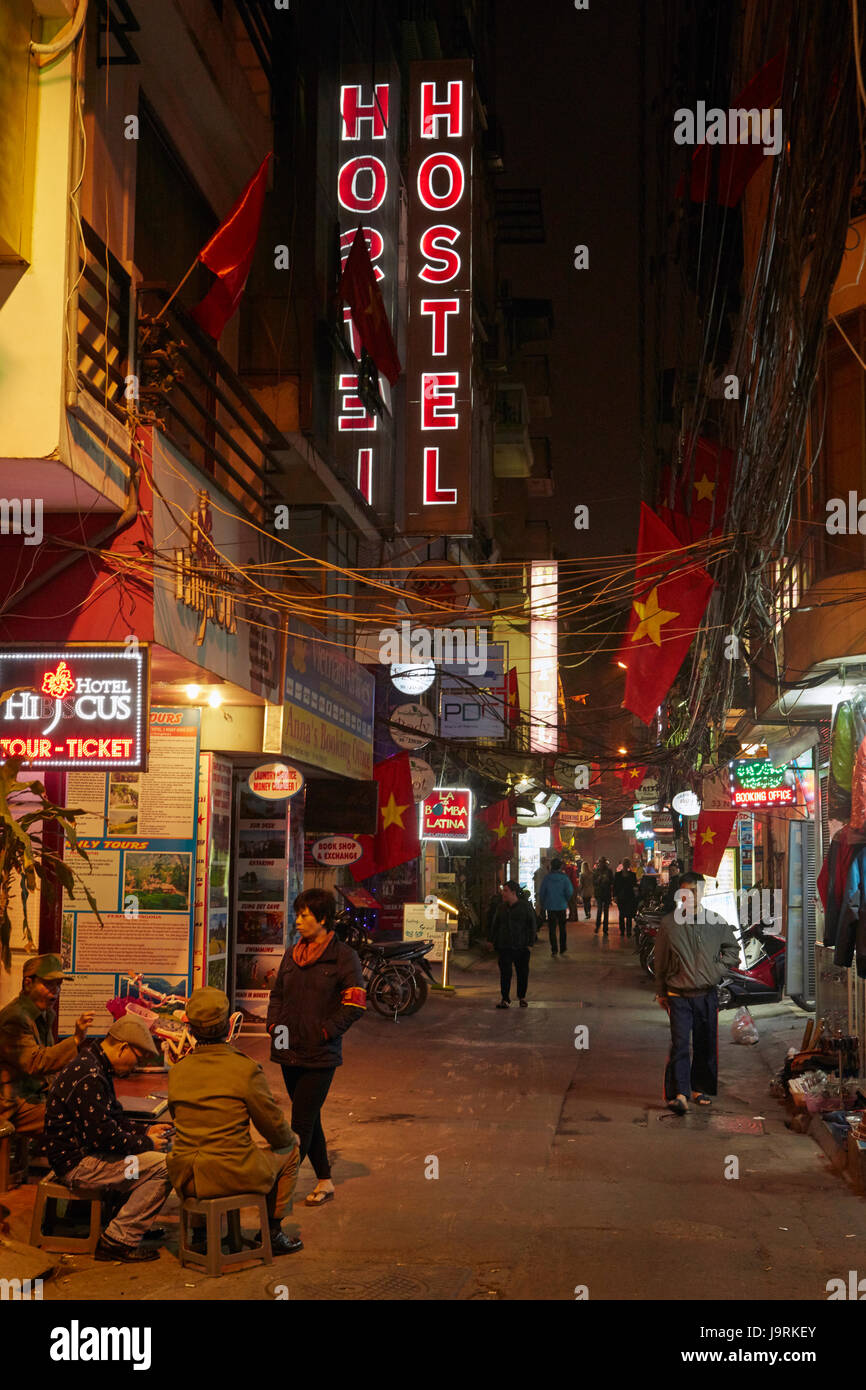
[368, 196]
[74, 707]
[446, 814]
[543, 657]
[439, 345]
[756, 782]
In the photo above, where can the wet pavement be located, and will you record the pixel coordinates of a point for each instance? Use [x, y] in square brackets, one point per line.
[559, 1169]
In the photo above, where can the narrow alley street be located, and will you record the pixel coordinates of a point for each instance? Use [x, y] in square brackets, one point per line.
[558, 1167]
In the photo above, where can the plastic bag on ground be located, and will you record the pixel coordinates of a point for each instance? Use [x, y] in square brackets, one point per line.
[743, 1028]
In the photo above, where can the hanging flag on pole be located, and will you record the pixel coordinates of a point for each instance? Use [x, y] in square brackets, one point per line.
[670, 597]
[631, 778]
[700, 500]
[361, 292]
[396, 839]
[710, 839]
[229, 254]
[498, 821]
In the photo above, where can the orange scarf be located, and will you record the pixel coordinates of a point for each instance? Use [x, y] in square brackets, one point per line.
[307, 952]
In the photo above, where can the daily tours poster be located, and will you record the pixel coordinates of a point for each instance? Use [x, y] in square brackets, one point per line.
[139, 831]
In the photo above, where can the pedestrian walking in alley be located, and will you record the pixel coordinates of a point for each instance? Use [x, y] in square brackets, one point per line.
[602, 882]
[573, 875]
[512, 935]
[586, 888]
[555, 895]
[692, 957]
[625, 892]
[318, 994]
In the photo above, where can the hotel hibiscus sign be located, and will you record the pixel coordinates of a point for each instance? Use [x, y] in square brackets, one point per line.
[74, 707]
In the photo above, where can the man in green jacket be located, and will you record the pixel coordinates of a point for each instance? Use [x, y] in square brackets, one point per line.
[694, 950]
[213, 1094]
[28, 1052]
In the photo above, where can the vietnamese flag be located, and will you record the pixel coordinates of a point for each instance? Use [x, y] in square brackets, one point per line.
[362, 294]
[631, 778]
[229, 254]
[498, 821]
[670, 597]
[711, 838]
[700, 500]
[737, 162]
[396, 839]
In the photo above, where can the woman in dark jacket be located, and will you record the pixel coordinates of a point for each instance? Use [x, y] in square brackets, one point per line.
[318, 993]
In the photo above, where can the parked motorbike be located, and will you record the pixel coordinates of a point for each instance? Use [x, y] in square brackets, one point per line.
[396, 973]
[762, 979]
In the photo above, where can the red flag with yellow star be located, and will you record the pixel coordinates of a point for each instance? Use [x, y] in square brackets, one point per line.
[499, 820]
[700, 499]
[630, 777]
[362, 294]
[710, 838]
[396, 839]
[670, 597]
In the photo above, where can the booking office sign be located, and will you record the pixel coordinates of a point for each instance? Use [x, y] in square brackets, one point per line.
[82, 706]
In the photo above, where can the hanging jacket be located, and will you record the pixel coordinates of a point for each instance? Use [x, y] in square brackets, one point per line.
[833, 877]
[851, 926]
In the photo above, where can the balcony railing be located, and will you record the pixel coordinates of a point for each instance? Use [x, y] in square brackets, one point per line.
[188, 388]
[103, 326]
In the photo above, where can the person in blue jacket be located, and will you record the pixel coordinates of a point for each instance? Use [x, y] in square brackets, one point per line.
[556, 893]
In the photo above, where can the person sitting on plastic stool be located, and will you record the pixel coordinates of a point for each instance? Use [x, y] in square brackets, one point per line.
[213, 1094]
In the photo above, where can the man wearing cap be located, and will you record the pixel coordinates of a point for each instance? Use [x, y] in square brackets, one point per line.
[92, 1146]
[213, 1094]
[28, 1052]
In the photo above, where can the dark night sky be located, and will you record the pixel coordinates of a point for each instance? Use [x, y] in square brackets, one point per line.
[567, 95]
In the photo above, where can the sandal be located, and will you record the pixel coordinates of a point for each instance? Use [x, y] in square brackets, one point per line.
[318, 1198]
[679, 1107]
[702, 1099]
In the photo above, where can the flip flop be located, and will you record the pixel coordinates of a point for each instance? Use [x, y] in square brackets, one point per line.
[318, 1199]
[702, 1099]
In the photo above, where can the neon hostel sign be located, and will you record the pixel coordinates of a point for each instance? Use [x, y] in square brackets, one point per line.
[439, 345]
[74, 707]
[367, 193]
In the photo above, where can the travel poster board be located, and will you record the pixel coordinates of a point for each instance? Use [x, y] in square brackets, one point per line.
[213, 864]
[261, 881]
[139, 832]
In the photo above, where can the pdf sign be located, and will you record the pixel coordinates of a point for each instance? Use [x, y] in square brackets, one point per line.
[439, 344]
[275, 781]
[334, 850]
[446, 814]
[74, 707]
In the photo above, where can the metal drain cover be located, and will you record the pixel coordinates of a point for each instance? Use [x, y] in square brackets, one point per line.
[736, 1124]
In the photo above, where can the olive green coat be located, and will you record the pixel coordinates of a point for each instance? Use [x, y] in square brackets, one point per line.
[213, 1094]
[28, 1053]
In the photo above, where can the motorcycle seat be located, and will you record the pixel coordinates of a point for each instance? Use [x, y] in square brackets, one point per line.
[399, 948]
